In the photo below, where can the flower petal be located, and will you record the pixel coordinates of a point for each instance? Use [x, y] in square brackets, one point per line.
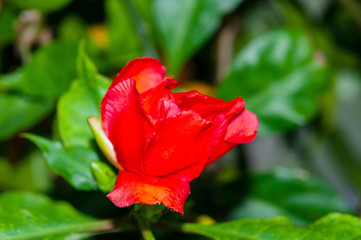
[153, 99]
[201, 149]
[130, 189]
[241, 129]
[171, 83]
[208, 107]
[168, 109]
[220, 149]
[126, 125]
[167, 151]
[147, 72]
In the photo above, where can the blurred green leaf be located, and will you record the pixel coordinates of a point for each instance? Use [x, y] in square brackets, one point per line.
[263, 17]
[289, 192]
[7, 26]
[73, 164]
[281, 79]
[44, 6]
[142, 16]
[29, 174]
[143, 7]
[184, 26]
[80, 102]
[50, 70]
[73, 28]
[30, 216]
[123, 38]
[11, 80]
[48, 73]
[227, 6]
[331, 227]
[315, 9]
[21, 112]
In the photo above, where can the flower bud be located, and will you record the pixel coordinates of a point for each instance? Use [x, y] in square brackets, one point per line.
[102, 140]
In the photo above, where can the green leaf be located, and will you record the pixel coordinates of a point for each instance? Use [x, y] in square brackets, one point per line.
[289, 192]
[142, 17]
[184, 26]
[331, 227]
[7, 26]
[143, 7]
[227, 6]
[29, 93]
[81, 101]
[11, 81]
[30, 216]
[280, 78]
[73, 29]
[30, 173]
[44, 6]
[49, 72]
[73, 164]
[22, 112]
[123, 38]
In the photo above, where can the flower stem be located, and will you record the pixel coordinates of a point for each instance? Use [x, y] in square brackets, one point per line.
[143, 225]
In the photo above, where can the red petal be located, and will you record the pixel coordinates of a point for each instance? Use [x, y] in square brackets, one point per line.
[130, 189]
[208, 107]
[171, 83]
[201, 149]
[174, 138]
[126, 125]
[219, 150]
[147, 72]
[241, 129]
[153, 99]
[168, 109]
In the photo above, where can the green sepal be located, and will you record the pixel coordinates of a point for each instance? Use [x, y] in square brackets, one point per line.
[102, 140]
[104, 176]
[150, 212]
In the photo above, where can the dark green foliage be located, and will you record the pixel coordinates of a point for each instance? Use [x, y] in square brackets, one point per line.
[293, 193]
[332, 227]
[71, 163]
[28, 216]
[280, 78]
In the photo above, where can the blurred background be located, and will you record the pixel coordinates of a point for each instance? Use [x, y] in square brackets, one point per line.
[296, 64]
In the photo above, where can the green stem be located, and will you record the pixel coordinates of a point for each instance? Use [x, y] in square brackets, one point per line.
[144, 227]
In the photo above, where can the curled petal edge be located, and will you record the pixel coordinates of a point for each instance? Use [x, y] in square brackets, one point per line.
[146, 71]
[241, 129]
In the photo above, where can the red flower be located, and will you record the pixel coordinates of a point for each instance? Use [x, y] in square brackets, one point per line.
[163, 140]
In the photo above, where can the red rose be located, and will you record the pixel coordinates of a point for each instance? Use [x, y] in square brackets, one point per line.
[163, 140]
